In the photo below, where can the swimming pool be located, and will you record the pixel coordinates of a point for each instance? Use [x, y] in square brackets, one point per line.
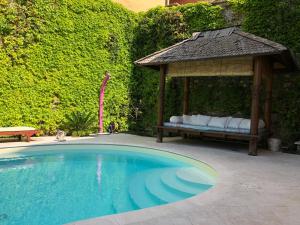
[57, 184]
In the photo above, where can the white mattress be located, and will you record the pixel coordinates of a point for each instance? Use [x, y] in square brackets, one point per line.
[5, 129]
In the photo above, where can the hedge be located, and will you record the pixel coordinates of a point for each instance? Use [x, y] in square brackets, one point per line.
[53, 55]
[158, 28]
[278, 21]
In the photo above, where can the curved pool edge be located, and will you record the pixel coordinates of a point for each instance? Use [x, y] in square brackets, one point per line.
[227, 202]
[134, 148]
[160, 152]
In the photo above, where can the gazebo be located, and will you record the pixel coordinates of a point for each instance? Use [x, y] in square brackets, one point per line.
[224, 52]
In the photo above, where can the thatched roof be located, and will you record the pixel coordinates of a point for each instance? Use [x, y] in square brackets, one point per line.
[228, 42]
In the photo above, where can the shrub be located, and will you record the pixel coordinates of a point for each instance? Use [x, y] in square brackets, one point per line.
[80, 123]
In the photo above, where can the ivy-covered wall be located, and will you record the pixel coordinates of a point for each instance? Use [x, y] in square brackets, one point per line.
[53, 55]
[161, 27]
[157, 29]
[278, 21]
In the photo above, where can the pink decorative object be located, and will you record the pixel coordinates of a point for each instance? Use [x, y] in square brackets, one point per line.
[101, 100]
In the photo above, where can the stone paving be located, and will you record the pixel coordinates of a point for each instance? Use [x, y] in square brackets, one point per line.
[262, 190]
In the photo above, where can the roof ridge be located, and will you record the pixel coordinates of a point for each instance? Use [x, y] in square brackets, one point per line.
[265, 41]
[162, 50]
[227, 31]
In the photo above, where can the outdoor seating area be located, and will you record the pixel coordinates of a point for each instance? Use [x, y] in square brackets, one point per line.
[150, 112]
[207, 126]
[210, 123]
[224, 52]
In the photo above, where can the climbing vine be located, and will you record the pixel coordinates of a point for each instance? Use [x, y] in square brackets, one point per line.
[275, 20]
[158, 28]
[278, 21]
[53, 55]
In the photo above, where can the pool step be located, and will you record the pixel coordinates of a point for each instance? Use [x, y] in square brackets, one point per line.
[170, 179]
[194, 177]
[138, 192]
[123, 203]
[155, 187]
[165, 185]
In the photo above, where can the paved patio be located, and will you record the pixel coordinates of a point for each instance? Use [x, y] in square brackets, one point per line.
[262, 190]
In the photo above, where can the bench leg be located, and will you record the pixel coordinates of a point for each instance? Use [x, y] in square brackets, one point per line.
[253, 147]
[28, 139]
[159, 138]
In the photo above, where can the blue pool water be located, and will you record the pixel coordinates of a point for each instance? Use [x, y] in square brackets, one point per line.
[57, 184]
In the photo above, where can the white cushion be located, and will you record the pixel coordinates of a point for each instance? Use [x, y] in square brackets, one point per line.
[186, 119]
[246, 124]
[194, 119]
[201, 120]
[261, 124]
[234, 123]
[176, 119]
[219, 122]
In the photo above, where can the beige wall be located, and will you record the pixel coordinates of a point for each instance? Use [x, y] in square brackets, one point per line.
[140, 5]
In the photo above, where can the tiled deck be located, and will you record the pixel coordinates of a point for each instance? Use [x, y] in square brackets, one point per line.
[262, 190]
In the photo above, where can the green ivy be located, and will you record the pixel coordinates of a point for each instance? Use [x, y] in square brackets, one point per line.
[53, 55]
[159, 28]
[275, 20]
[278, 21]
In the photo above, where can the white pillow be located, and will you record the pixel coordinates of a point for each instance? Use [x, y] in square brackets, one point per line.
[201, 120]
[261, 124]
[219, 122]
[176, 119]
[186, 119]
[234, 123]
[194, 119]
[246, 124]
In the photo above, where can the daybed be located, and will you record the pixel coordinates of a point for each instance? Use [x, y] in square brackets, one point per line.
[18, 131]
[220, 127]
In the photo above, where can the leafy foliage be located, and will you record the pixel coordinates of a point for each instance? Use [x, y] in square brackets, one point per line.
[53, 55]
[278, 21]
[80, 123]
[158, 28]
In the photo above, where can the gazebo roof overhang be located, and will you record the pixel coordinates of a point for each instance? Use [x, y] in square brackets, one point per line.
[221, 44]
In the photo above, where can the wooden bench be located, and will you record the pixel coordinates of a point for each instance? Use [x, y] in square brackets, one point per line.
[212, 134]
[18, 131]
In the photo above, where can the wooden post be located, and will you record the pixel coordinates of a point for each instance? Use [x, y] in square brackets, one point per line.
[186, 95]
[268, 74]
[258, 64]
[161, 102]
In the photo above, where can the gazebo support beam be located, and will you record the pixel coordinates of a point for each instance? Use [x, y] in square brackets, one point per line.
[161, 102]
[268, 75]
[258, 66]
[186, 96]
